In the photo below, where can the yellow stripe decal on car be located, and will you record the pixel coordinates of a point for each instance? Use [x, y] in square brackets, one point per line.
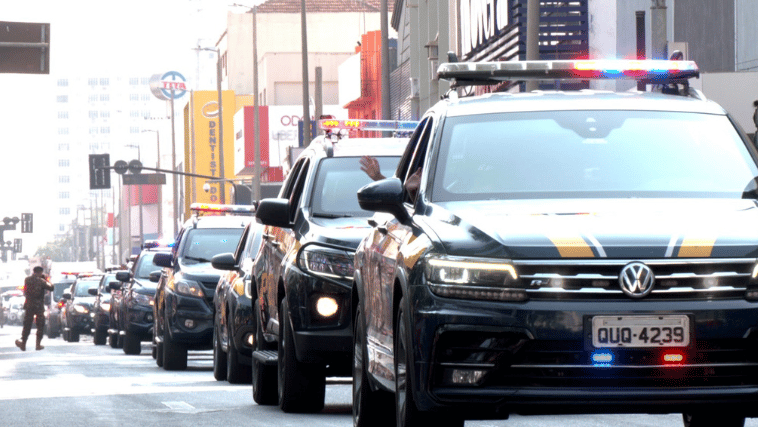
[697, 247]
[572, 247]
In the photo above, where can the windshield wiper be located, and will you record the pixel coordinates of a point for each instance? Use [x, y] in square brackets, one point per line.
[327, 215]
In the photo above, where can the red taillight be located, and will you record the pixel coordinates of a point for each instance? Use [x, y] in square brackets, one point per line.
[61, 303]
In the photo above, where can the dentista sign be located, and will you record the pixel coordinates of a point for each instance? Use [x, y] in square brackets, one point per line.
[481, 21]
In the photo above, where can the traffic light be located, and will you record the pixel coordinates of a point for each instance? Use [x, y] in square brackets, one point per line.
[27, 223]
[17, 245]
[99, 171]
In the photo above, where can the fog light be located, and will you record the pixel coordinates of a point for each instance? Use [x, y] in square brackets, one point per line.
[467, 376]
[751, 294]
[327, 306]
[189, 324]
[149, 317]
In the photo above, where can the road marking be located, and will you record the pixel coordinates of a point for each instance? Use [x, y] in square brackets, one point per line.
[179, 406]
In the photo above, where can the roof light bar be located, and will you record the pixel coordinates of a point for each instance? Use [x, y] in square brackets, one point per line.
[367, 125]
[218, 208]
[486, 73]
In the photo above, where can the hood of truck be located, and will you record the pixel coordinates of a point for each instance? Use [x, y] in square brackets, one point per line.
[597, 228]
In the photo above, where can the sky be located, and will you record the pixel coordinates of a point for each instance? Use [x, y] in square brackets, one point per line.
[147, 36]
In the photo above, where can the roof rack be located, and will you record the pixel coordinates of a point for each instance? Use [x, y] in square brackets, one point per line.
[660, 72]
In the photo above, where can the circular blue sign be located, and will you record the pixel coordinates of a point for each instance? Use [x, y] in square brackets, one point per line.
[173, 83]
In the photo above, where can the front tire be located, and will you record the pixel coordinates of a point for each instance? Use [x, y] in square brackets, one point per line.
[712, 419]
[219, 358]
[132, 344]
[370, 408]
[301, 386]
[100, 337]
[174, 355]
[407, 414]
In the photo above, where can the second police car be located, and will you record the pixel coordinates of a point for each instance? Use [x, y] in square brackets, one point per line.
[562, 252]
[314, 226]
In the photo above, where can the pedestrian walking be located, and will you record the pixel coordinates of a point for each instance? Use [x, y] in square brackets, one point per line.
[34, 306]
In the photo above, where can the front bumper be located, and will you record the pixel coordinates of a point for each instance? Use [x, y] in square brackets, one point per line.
[190, 321]
[484, 359]
[139, 321]
[81, 323]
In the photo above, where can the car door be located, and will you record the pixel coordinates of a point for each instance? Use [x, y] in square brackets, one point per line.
[387, 239]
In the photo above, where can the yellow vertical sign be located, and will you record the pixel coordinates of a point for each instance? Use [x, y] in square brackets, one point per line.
[203, 145]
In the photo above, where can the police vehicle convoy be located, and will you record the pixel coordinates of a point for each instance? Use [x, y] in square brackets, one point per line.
[302, 276]
[564, 252]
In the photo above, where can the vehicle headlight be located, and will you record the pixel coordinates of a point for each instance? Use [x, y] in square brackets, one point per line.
[80, 309]
[474, 279]
[143, 299]
[189, 287]
[105, 306]
[333, 263]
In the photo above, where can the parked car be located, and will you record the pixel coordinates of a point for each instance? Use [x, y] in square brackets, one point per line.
[314, 225]
[234, 321]
[77, 318]
[54, 302]
[183, 308]
[101, 308]
[16, 310]
[135, 308]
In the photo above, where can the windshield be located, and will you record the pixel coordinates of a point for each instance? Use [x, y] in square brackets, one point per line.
[201, 244]
[82, 287]
[568, 154]
[58, 289]
[338, 180]
[145, 266]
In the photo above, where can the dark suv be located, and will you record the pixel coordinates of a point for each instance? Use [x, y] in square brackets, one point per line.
[564, 252]
[184, 298]
[101, 308]
[234, 321]
[54, 303]
[76, 317]
[314, 226]
[135, 309]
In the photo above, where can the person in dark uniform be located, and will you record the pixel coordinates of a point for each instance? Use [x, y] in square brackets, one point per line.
[34, 291]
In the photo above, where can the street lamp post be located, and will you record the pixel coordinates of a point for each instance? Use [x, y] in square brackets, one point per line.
[139, 195]
[158, 166]
[221, 173]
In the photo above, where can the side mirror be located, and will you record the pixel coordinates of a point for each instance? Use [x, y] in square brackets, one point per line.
[224, 261]
[385, 195]
[92, 291]
[274, 212]
[163, 260]
[66, 296]
[155, 276]
[124, 276]
[115, 286]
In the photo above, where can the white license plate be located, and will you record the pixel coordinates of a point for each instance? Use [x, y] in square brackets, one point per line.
[640, 331]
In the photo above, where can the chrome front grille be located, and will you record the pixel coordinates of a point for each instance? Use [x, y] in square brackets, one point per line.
[595, 278]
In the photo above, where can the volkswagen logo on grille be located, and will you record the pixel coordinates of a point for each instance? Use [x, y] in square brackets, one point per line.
[636, 280]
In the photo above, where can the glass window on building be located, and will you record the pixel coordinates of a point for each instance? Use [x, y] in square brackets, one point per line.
[105, 129]
[134, 114]
[64, 163]
[93, 114]
[133, 97]
[62, 114]
[92, 81]
[145, 81]
[63, 146]
[105, 114]
[93, 98]
[64, 179]
[62, 98]
[145, 97]
[146, 114]
[64, 211]
[93, 131]
[104, 81]
[62, 131]
[62, 227]
[93, 147]
[62, 82]
[133, 81]
[63, 195]
[134, 129]
[105, 97]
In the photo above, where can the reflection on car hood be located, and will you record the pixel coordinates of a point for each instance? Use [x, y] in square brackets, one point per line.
[87, 301]
[598, 228]
[339, 231]
[145, 285]
[202, 272]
